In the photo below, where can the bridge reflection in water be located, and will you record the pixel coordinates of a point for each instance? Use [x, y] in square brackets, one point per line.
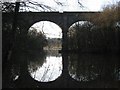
[49, 71]
[77, 70]
[70, 70]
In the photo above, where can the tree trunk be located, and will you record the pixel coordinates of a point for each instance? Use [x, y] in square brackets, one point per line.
[14, 26]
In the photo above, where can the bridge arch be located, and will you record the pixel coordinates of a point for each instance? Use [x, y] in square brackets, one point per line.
[45, 20]
[64, 20]
[48, 27]
[79, 32]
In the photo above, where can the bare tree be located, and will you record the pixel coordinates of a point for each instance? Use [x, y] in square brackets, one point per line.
[27, 5]
[31, 5]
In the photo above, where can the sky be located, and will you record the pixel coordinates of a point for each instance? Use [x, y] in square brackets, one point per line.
[50, 29]
[72, 5]
[97, 5]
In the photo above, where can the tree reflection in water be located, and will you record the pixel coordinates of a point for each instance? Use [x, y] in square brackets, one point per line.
[50, 70]
[117, 73]
[35, 63]
[20, 61]
[87, 67]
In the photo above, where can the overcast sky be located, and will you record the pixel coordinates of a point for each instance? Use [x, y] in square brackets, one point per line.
[72, 5]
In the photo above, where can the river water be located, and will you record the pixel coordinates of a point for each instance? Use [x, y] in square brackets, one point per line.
[81, 67]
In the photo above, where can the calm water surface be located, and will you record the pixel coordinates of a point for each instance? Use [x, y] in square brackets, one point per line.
[87, 67]
[81, 67]
[49, 71]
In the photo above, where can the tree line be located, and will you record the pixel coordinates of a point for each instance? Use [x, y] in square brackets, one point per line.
[100, 34]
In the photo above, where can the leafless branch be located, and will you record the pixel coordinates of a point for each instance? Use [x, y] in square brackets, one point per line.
[29, 5]
[44, 7]
[80, 4]
[58, 3]
[9, 7]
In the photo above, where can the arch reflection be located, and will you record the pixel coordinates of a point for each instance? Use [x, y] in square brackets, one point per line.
[50, 70]
[88, 67]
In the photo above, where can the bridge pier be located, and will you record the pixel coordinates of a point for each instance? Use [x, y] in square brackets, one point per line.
[64, 36]
[65, 72]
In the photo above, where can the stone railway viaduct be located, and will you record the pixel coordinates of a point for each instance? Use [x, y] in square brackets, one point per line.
[64, 21]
